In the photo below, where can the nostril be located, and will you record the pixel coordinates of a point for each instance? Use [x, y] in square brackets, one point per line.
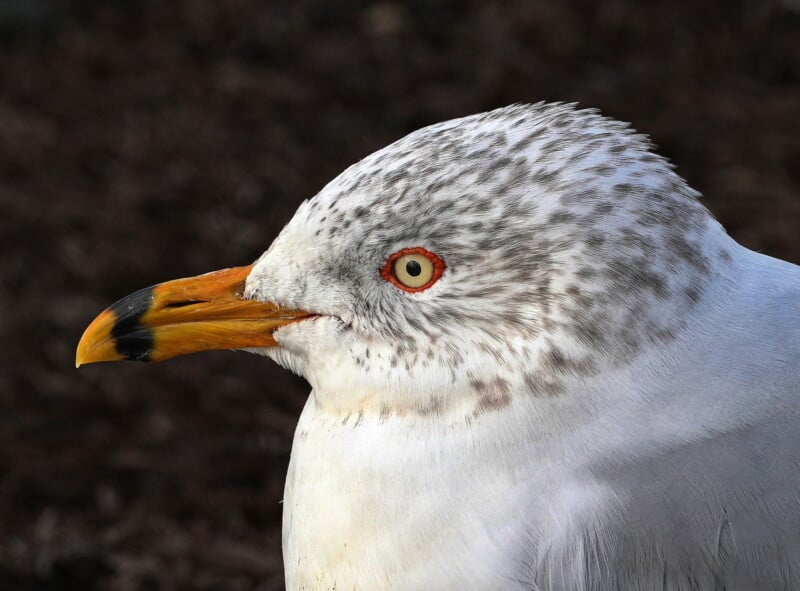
[183, 304]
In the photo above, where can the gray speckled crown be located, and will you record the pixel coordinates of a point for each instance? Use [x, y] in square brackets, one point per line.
[569, 245]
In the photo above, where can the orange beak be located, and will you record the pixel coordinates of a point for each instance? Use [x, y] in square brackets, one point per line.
[200, 313]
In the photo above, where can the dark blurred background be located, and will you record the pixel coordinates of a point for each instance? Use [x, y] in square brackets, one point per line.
[142, 141]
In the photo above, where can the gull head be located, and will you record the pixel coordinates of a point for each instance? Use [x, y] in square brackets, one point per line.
[499, 255]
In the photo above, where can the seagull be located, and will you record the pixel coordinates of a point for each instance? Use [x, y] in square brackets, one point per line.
[537, 363]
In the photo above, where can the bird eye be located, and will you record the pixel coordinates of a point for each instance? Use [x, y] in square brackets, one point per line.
[413, 269]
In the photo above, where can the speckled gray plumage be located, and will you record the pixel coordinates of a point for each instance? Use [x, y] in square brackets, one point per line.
[556, 224]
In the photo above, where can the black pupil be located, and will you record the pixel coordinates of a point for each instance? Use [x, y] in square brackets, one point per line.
[413, 268]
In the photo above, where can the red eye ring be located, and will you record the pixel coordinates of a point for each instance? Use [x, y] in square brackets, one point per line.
[389, 274]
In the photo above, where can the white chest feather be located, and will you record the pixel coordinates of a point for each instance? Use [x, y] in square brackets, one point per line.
[413, 504]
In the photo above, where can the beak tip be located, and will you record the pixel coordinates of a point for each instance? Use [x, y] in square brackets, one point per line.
[96, 343]
[80, 355]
